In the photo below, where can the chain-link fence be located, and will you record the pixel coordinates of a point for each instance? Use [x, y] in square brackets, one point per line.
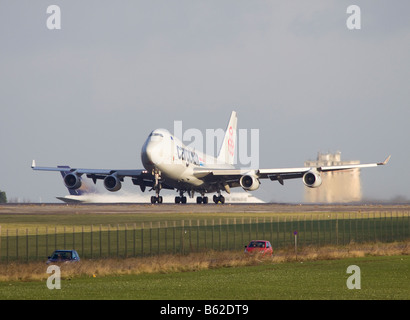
[185, 236]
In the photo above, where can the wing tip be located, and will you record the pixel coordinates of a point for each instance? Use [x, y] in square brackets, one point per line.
[33, 164]
[385, 161]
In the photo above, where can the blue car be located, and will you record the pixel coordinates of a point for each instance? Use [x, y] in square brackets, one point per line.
[64, 256]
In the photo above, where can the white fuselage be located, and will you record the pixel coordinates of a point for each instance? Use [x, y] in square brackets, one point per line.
[165, 154]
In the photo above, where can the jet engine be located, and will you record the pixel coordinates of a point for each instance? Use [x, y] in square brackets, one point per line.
[312, 179]
[112, 183]
[72, 181]
[249, 182]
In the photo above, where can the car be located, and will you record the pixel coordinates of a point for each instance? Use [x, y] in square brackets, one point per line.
[64, 256]
[262, 247]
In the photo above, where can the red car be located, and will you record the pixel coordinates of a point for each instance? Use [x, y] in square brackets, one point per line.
[259, 246]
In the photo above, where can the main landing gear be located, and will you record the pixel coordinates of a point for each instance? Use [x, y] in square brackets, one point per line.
[200, 199]
[181, 198]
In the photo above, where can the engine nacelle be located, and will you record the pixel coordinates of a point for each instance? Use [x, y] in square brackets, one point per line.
[249, 183]
[112, 183]
[72, 181]
[312, 179]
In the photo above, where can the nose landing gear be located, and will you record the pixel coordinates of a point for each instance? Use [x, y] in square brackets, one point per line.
[157, 187]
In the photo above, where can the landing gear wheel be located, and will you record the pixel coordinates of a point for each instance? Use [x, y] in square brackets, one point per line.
[199, 200]
[155, 199]
[219, 198]
[183, 199]
[205, 200]
[177, 199]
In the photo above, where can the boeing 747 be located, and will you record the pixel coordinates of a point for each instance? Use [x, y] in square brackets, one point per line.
[169, 164]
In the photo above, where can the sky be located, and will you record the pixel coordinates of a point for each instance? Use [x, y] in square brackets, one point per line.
[87, 95]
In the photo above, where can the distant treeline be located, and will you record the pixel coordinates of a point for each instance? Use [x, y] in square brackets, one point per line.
[3, 197]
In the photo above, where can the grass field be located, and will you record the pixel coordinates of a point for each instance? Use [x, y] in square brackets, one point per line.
[381, 278]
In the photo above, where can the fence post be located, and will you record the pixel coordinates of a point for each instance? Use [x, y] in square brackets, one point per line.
[150, 238]
[158, 234]
[125, 238]
[7, 245]
[291, 229]
[337, 229]
[166, 236]
[213, 227]
[304, 229]
[100, 240]
[250, 228]
[189, 235]
[243, 230]
[82, 240]
[234, 233]
[227, 233]
[173, 237]
[27, 245]
[205, 227]
[142, 238]
[197, 235]
[118, 239]
[330, 227]
[277, 233]
[46, 241]
[182, 236]
[36, 242]
[17, 244]
[220, 234]
[134, 240]
[109, 240]
[257, 227]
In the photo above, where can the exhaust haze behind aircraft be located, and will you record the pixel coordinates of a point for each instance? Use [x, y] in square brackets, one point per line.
[169, 164]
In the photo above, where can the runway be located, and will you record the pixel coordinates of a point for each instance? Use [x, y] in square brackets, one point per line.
[139, 208]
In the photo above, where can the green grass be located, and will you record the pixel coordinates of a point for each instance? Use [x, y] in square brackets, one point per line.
[381, 278]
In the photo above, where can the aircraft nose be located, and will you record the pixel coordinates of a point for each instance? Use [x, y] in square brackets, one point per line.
[146, 153]
[151, 153]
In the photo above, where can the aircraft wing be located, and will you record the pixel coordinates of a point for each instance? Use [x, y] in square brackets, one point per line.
[139, 176]
[279, 174]
[98, 173]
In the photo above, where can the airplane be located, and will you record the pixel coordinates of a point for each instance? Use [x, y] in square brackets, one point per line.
[169, 164]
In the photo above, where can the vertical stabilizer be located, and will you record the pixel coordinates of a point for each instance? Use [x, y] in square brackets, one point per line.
[227, 151]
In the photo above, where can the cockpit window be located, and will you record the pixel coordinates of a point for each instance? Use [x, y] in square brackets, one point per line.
[156, 134]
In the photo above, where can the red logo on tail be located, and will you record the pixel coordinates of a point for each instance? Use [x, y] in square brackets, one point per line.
[231, 144]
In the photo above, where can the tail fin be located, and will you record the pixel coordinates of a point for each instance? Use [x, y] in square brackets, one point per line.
[227, 151]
